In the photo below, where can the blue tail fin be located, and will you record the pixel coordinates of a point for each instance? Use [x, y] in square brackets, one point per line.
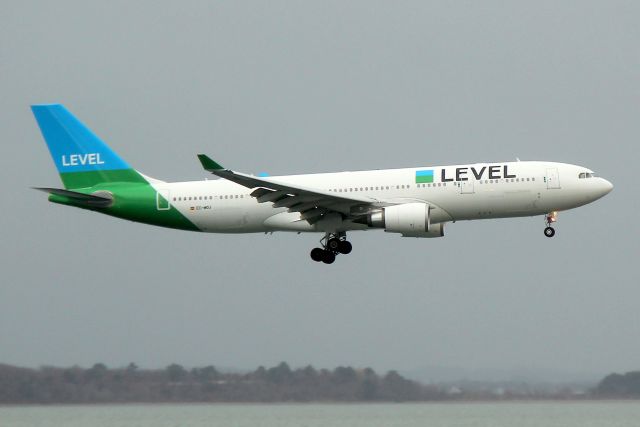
[82, 159]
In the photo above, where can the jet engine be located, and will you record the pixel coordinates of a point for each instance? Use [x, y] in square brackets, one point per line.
[408, 219]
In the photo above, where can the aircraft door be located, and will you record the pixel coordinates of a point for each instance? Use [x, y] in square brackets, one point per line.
[467, 187]
[162, 200]
[552, 178]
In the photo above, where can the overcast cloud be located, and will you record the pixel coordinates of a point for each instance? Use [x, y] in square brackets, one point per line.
[294, 87]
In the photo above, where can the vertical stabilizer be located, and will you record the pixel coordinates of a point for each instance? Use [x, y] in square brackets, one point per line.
[83, 160]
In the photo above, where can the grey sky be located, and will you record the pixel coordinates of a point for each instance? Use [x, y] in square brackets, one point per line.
[292, 87]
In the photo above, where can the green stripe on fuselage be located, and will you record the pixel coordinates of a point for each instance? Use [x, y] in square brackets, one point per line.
[133, 198]
[139, 202]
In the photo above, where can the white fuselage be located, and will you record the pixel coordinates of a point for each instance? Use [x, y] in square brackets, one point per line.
[458, 192]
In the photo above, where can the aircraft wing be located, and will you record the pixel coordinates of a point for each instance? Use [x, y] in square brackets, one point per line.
[310, 202]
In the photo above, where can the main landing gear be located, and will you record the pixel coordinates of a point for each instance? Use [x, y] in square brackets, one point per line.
[549, 219]
[332, 245]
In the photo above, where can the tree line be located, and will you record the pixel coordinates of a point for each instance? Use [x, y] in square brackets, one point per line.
[619, 386]
[99, 384]
[175, 383]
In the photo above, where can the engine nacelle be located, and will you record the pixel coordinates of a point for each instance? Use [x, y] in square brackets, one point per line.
[409, 219]
[435, 230]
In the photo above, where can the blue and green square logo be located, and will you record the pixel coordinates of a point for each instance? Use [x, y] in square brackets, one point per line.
[424, 176]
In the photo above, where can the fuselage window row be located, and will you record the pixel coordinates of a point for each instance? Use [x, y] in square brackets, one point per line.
[195, 198]
[378, 188]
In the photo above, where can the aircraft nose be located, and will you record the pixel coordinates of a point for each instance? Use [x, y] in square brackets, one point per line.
[604, 187]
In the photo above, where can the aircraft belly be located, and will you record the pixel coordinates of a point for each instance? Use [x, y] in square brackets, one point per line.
[519, 202]
[223, 219]
[287, 221]
[494, 204]
[565, 198]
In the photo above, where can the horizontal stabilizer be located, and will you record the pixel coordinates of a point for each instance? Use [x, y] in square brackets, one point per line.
[90, 199]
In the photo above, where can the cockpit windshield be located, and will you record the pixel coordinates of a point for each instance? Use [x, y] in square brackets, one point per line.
[584, 175]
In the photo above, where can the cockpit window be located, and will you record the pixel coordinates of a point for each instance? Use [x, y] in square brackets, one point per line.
[584, 175]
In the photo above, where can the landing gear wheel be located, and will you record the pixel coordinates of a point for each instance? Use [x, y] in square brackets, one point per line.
[333, 244]
[317, 254]
[328, 257]
[344, 247]
[549, 232]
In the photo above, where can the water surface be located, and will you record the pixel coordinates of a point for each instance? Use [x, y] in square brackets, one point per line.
[508, 414]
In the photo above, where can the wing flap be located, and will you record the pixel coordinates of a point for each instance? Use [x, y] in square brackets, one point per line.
[272, 196]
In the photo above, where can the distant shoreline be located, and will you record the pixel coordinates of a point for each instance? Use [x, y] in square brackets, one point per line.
[321, 403]
[100, 385]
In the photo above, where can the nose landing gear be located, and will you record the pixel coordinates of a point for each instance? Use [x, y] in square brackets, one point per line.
[332, 245]
[549, 219]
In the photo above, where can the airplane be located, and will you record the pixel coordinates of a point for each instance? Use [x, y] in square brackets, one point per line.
[412, 202]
